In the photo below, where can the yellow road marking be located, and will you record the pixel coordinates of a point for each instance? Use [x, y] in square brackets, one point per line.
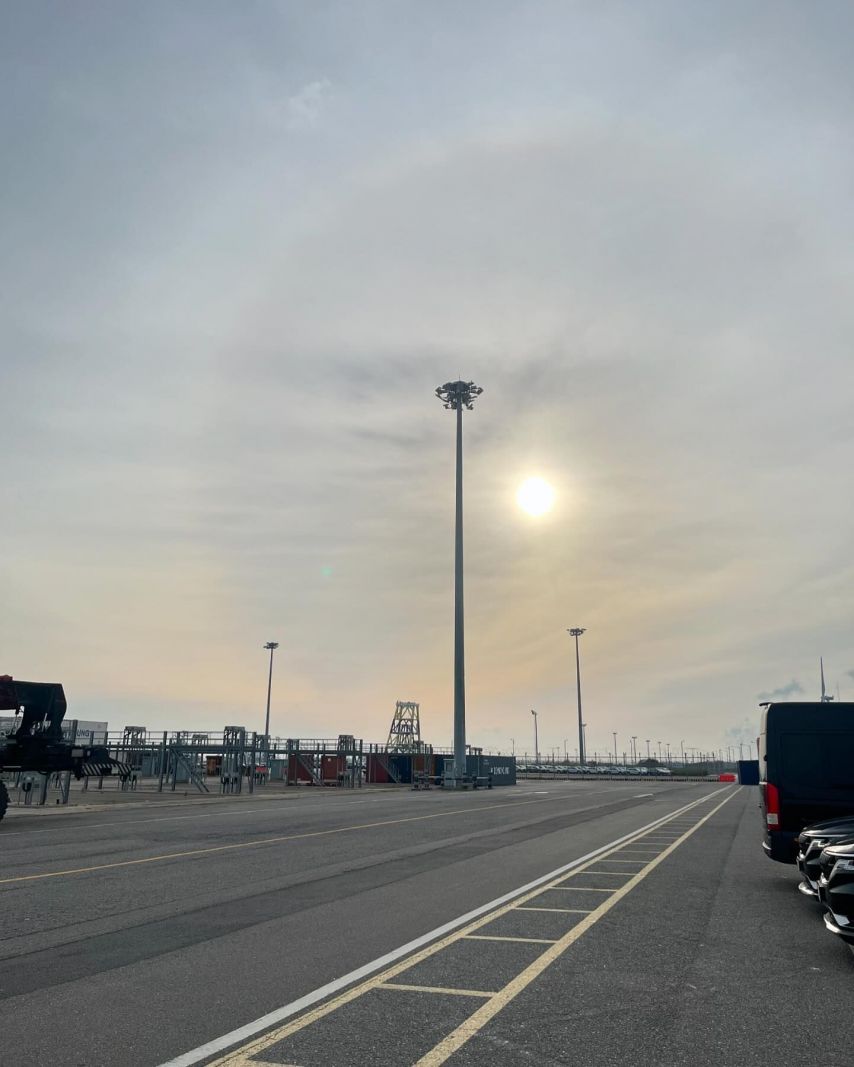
[526, 940]
[246, 1055]
[444, 990]
[641, 862]
[276, 840]
[463, 1033]
[616, 874]
[566, 911]
[581, 889]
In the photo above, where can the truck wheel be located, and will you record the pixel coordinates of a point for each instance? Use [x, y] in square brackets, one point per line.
[4, 799]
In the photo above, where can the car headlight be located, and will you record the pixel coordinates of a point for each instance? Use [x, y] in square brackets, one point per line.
[844, 865]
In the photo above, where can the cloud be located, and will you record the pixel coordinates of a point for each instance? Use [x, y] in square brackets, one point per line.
[304, 107]
[788, 690]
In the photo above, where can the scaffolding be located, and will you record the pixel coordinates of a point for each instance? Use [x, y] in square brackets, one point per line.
[404, 735]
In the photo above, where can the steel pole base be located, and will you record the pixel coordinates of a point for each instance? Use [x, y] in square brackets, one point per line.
[450, 781]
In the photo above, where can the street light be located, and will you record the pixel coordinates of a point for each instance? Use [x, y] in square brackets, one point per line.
[634, 749]
[536, 739]
[456, 396]
[615, 745]
[576, 632]
[682, 746]
[513, 744]
[565, 754]
[647, 748]
[272, 646]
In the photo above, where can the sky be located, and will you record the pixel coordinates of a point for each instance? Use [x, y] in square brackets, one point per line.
[243, 244]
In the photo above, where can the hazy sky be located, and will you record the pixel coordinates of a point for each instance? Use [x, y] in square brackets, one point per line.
[242, 243]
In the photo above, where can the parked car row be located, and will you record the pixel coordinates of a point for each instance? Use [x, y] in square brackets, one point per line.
[826, 863]
[806, 783]
[590, 769]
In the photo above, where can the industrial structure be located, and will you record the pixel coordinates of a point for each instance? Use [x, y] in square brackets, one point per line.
[236, 760]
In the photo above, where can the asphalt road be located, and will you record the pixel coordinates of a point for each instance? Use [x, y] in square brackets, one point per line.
[131, 937]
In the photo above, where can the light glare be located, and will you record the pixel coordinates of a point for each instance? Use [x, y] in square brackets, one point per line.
[535, 496]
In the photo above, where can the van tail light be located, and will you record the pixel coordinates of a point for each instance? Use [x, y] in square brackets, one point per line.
[772, 805]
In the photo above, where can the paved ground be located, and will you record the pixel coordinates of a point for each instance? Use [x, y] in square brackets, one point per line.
[131, 936]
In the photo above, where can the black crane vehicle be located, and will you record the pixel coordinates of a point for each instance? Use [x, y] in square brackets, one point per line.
[812, 841]
[806, 752]
[836, 889]
[37, 744]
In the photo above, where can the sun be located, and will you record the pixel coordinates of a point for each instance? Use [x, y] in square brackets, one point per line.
[535, 496]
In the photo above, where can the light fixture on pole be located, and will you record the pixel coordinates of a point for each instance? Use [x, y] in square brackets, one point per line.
[615, 745]
[647, 748]
[272, 646]
[576, 632]
[456, 396]
[536, 739]
[634, 749]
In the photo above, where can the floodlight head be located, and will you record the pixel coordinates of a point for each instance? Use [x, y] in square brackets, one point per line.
[272, 645]
[458, 394]
[533, 713]
[576, 631]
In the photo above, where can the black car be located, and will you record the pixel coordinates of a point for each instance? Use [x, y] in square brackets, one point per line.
[812, 841]
[836, 890]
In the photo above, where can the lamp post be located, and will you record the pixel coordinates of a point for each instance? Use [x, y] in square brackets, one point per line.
[634, 749]
[565, 754]
[513, 745]
[682, 747]
[615, 745]
[576, 632]
[647, 748]
[536, 739]
[456, 396]
[272, 646]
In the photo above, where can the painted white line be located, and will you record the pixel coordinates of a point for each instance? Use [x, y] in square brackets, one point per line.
[642, 796]
[265, 1022]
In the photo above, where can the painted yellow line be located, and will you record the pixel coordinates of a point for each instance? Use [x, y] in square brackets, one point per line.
[475, 1023]
[641, 862]
[564, 911]
[247, 1055]
[525, 940]
[259, 842]
[582, 889]
[443, 990]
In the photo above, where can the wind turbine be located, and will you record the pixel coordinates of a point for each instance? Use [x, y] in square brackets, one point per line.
[825, 699]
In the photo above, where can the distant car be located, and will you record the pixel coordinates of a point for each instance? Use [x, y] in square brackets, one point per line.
[812, 841]
[836, 889]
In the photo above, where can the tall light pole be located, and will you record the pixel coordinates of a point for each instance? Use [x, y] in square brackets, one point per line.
[513, 745]
[536, 739]
[634, 749]
[647, 748]
[682, 746]
[456, 396]
[576, 632]
[565, 754]
[615, 745]
[272, 646]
